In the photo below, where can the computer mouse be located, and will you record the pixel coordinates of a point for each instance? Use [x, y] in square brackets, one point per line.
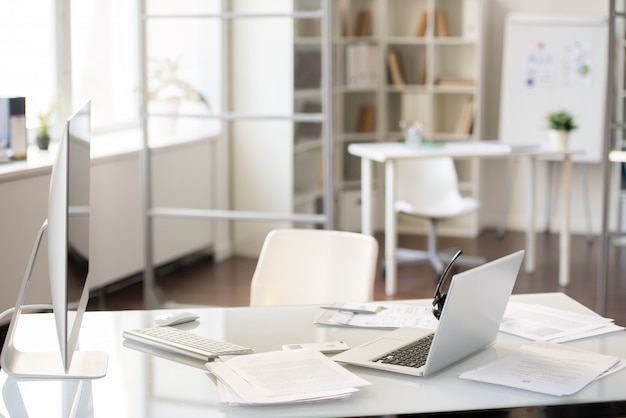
[174, 318]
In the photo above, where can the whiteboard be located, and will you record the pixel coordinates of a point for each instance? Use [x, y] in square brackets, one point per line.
[552, 63]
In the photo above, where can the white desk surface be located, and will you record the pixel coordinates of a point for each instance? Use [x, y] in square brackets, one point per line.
[389, 153]
[144, 385]
[383, 151]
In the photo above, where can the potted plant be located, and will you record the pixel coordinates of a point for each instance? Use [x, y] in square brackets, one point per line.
[560, 124]
[43, 131]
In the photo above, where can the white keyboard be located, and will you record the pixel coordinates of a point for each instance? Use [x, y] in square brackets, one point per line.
[184, 342]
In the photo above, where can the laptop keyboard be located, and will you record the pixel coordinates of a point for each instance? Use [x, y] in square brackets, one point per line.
[413, 355]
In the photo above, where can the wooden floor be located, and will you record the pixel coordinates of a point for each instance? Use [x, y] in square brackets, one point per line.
[204, 282]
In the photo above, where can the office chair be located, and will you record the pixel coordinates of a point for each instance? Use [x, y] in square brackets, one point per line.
[311, 266]
[428, 188]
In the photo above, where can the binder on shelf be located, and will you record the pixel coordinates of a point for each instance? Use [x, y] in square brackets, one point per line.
[395, 68]
[470, 25]
[421, 27]
[441, 24]
[464, 126]
[363, 23]
[361, 66]
[367, 119]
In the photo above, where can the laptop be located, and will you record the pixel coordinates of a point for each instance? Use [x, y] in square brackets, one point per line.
[469, 321]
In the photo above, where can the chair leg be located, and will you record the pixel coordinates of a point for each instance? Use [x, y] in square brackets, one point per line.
[433, 255]
[405, 255]
[437, 259]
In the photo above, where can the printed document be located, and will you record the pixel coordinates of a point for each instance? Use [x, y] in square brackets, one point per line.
[387, 316]
[283, 376]
[547, 368]
[538, 322]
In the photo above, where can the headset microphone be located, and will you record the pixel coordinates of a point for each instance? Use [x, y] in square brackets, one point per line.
[440, 299]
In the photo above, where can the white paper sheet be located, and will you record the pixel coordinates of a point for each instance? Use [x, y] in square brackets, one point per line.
[545, 367]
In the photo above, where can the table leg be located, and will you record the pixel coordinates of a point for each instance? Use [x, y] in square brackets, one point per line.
[564, 247]
[531, 234]
[391, 233]
[367, 221]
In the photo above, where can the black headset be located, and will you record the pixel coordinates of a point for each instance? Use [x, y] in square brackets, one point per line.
[440, 299]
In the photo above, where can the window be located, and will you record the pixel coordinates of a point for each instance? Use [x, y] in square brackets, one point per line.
[27, 54]
[98, 57]
[104, 61]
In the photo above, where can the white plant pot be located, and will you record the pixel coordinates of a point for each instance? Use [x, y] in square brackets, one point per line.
[558, 139]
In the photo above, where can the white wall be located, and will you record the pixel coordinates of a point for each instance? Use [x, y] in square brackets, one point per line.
[492, 180]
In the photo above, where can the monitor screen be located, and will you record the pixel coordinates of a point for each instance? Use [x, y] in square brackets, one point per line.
[68, 229]
[68, 264]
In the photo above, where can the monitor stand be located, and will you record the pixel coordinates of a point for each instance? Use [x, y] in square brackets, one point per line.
[46, 365]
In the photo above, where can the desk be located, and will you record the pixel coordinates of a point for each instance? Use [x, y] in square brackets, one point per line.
[390, 152]
[143, 385]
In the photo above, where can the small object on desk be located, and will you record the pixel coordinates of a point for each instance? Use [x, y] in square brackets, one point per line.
[185, 343]
[412, 134]
[360, 308]
[325, 347]
[174, 318]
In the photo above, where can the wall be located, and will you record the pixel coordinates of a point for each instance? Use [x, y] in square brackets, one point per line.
[492, 180]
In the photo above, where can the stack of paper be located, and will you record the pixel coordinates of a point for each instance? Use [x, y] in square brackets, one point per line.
[538, 322]
[303, 375]
[547, 368]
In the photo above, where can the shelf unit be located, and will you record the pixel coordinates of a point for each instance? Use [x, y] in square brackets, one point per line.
[242, 118]
[437, 45]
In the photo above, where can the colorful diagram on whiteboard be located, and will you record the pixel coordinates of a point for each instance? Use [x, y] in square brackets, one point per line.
[577, 60]
[539, 66]
[544, 68]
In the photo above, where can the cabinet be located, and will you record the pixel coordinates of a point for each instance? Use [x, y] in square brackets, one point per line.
[116, 212]
[422, 62]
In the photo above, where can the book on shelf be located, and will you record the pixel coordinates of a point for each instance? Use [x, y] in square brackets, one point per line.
[441, 25]
[361, 65]
[395, 68]
[422, 75]
[367, 119]
[466, 120]
[421, 26]
[455, 81]
[363, 23]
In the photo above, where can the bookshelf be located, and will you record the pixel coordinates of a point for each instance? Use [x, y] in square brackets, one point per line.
[426, 56]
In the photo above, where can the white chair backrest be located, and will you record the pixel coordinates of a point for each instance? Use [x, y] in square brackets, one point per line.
[428, 185]
[309, 266]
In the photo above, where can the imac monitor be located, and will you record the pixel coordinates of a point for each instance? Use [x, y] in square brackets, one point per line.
[68, 262]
